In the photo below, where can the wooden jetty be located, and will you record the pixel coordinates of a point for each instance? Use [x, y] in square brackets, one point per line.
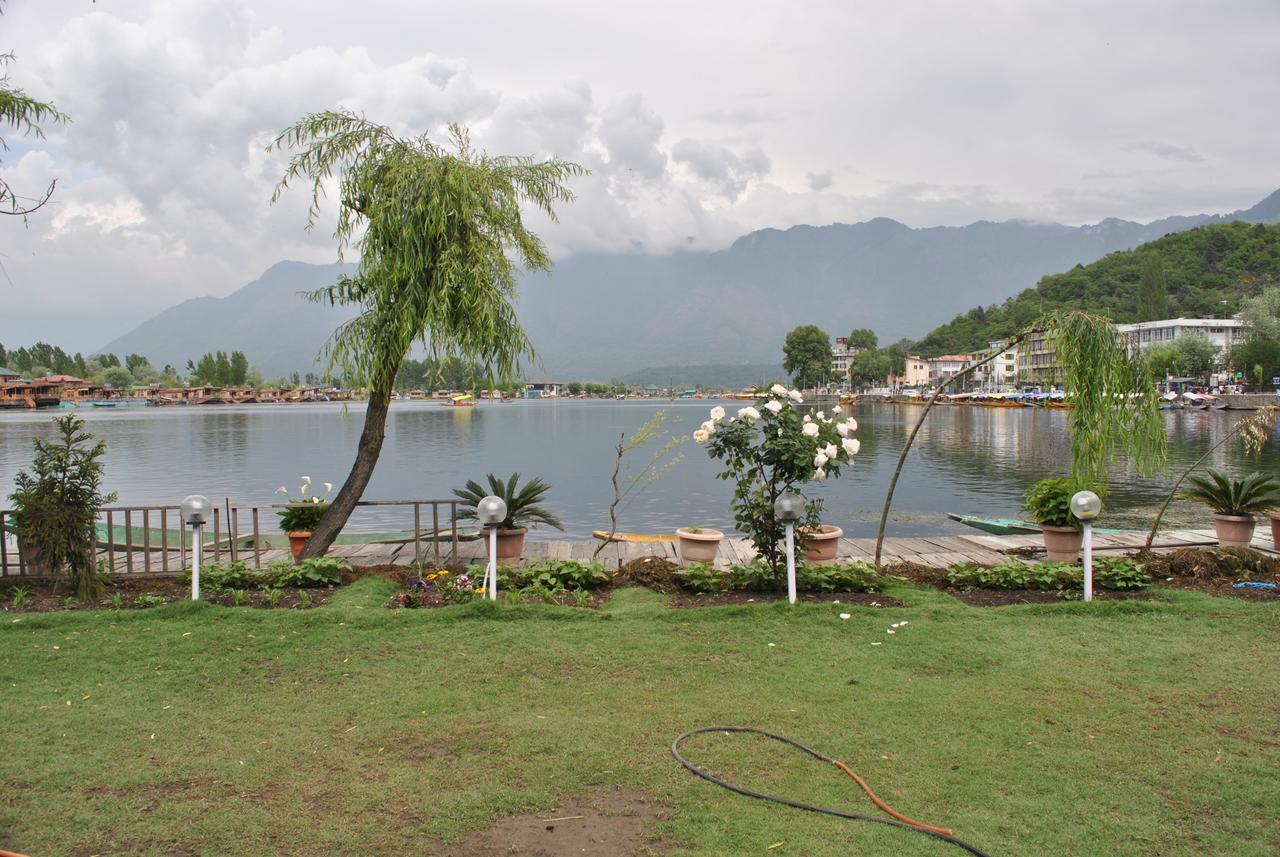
[934, 551]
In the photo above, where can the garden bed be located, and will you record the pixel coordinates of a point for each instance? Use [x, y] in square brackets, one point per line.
[1215, 571]
[1003, 597]
[684, 599]
[143, 592]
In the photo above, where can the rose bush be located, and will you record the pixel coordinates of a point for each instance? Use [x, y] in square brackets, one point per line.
[773, 450]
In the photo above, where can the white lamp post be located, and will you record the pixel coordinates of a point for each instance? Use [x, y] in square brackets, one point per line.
[1085, 505]
[789, 508]
[195, 511]
[492, 511]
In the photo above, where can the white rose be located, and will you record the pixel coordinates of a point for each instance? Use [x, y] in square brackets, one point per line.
[851, 445]
[808, 418]
[836, 409]
[778, 390]
[700, 436]
[773, 406]
[852, 424]
[795, 396]
[842, 429]
[810, 429]
[830, 451]
[822, 415]
[820, 460]
[709, 426]
[749, 414]
[717, 413]
[819, 475]
[328, 486]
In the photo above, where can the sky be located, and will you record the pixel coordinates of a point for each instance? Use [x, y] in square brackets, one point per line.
[699, 122]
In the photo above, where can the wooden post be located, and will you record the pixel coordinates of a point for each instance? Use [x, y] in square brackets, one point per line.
[111, 543]
[417, 534]
[217, 539]
[4, 547]
[164, 539]
[146, 541]
[182, 542]
[453, 525]
[233, 529]
[257, 551]
[128, 541]
[435, 535]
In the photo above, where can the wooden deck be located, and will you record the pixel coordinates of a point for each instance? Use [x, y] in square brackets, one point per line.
[935, 551]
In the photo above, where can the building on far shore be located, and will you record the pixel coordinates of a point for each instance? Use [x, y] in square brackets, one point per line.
[1222, 332]
[7, 375]
[914, 374]
[842, 354]
[942, 368]
[1002, 372]
[543, 389]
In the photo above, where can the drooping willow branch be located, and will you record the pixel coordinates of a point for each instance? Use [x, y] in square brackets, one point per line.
[1112, 396]
[902, 456]
[1256, 429]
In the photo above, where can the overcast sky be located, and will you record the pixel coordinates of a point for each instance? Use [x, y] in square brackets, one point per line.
[700, 121]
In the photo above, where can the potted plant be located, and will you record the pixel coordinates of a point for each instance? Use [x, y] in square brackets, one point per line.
[1049, 502]
[821, 542]
[300, 516]
[1234, 502]
[523, 510]
[699, 544]
[56, 506]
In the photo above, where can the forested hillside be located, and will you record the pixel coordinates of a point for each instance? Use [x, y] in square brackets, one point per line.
[1203, 272]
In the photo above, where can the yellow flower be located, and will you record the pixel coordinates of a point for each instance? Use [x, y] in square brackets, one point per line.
[479, 589]
[444, 574]
[432, 576]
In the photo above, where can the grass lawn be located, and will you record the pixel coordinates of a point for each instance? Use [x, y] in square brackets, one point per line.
[1110, 729]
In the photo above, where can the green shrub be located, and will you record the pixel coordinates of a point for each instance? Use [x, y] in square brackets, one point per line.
[1119, 573]
[702, 577]
[1108, 573]
[232, 575]
[317, 571]
[1049, 502]
[842, 577]
[754, 576]
[551, 574]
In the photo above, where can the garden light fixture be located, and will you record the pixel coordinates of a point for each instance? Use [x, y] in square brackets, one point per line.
[491, 511]
[789, 508]
[195, 511]
[1086, 505]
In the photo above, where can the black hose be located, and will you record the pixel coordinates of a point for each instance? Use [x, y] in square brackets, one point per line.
[839, 813]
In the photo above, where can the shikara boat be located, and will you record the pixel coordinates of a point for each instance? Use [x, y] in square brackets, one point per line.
[1009, 526]
[603, 536]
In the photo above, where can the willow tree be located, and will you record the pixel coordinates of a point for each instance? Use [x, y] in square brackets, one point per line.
[1115, 409]
[23, 113]
[439, 232]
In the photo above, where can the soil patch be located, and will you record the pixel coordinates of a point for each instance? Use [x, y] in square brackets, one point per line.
[1214, 570]
[652, 572]
[614, 823]
[720, 599]
[1003, 597]
[924, 575]
[141, 592]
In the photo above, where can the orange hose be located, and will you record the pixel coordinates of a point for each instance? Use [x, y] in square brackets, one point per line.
[884, 806]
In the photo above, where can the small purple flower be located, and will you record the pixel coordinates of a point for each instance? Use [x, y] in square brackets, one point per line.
[462, 582]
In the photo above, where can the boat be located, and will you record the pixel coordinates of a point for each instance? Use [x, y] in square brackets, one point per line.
[604, 536]
[1011, 526]
[463, 401]
[104, 404]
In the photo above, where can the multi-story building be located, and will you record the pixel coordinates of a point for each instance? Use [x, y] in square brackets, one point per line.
[1036, 362]
[914, 374]
[841, 354]
[1002, 371]
[1222, 332]
[543, 389]
[942, 368]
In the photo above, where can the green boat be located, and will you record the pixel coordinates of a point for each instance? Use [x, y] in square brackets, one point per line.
[1012, 526]
[156, 538]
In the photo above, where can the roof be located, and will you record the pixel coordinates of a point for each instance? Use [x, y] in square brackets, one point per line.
[4, 371]
[1180, 322]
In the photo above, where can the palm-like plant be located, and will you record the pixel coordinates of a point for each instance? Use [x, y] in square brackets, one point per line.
[522, 501]
[1256, 492]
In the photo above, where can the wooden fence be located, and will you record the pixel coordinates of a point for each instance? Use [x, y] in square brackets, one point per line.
[153, 540]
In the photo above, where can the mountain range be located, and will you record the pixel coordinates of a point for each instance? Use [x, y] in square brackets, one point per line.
[599, 316]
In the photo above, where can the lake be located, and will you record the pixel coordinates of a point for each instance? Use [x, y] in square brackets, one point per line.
[966, 459]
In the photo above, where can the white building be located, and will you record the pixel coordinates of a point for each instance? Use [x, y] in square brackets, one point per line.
[543, 389]
[1222, 332]
[915, 373]
[942, 368]
[841, 355]
[1001, 372]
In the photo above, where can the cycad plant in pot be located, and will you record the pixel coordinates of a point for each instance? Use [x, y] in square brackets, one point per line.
[1234, 502]
[523, 510]
[1049, 502]
[302, 514]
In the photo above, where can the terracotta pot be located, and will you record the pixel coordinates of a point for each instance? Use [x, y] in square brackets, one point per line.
[1061, 544]
[510, 544]
[1234, 531]
[298, 541]
[823, 543]
[1275, 530]
[701, 546]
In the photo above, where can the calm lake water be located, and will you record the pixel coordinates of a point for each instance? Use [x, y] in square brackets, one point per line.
[966, 459]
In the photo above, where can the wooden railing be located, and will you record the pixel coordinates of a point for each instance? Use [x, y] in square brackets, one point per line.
[236, 531]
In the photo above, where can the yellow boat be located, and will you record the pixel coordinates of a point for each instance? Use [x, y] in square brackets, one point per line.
[464, 401]
[634, 537]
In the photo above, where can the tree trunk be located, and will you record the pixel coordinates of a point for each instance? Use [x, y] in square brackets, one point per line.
[375, 431]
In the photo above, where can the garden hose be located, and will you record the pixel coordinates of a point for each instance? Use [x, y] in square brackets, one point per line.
[897, 820]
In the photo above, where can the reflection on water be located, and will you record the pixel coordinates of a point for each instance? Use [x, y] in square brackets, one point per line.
[965, 459]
